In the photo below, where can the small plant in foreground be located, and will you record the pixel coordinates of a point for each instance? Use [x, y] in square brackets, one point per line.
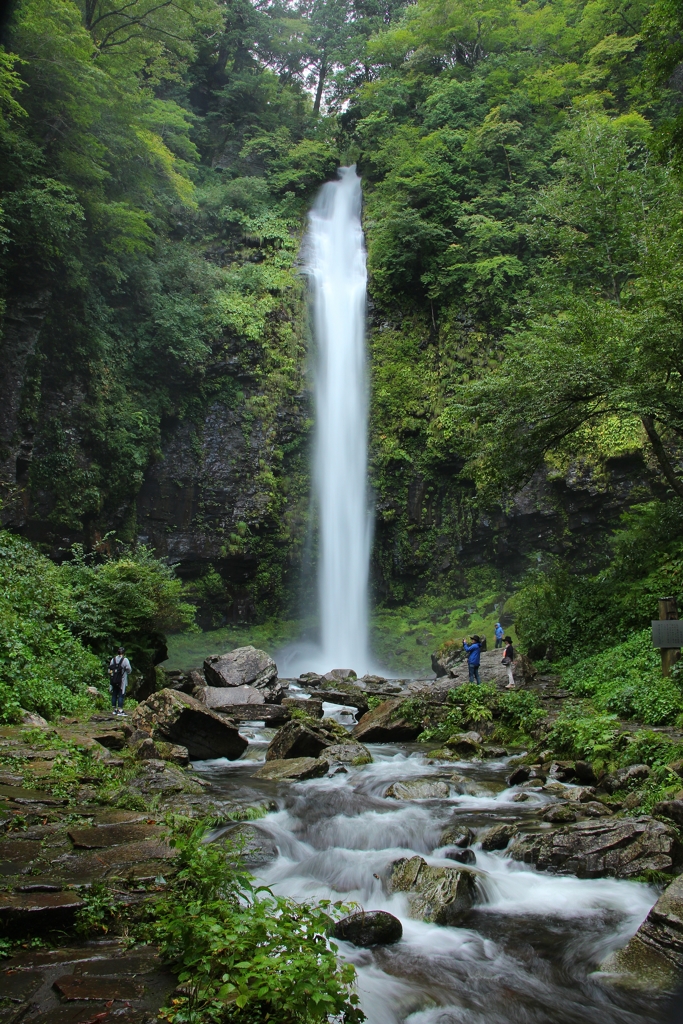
[243, 954]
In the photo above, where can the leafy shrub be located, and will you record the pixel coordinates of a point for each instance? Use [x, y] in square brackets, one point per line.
[520, 710]
[626, 680]
[59, 624]
[244, 954]
[560, 613]
[581, 733]
[43, 667]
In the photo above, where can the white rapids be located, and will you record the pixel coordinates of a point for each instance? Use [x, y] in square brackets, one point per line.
[528, 951]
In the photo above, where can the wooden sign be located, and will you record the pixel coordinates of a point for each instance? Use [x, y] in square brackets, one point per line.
[667, 632]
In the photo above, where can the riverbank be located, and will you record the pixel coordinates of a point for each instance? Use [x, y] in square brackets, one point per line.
[101, 851]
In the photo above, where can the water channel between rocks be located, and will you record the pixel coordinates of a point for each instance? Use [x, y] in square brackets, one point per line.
[526, 953]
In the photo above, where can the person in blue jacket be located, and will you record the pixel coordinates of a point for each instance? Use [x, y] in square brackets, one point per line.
[500, 633]
[473, 657]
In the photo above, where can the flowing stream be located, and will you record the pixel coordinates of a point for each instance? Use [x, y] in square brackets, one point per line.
[526, 954]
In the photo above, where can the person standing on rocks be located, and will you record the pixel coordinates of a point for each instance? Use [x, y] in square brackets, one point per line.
[499, 635]
[473, 651]
[119, 670]
[508, 658]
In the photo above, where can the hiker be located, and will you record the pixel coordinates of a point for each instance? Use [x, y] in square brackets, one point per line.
[499, 635]
[508, 658]
[119, 669]
[473, 651]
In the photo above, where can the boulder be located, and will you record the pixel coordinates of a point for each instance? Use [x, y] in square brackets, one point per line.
[594, 809]
[464, 744]
[310, 678]
[245, 666]
[492, 751]
[418, 789]
[254, 845]
[174, 752]
[438, 895]
[338, 675]
[461, 856]
[562, 771]
[349, 696]
[653, 957]
[224, 696]
[672, 809]
[178, 718]
[372, 680]
[384, 724]
[456, 835]
[585, 773]
[272, 714]
[619, 847]
[310, 706]
[348, 753]
[497, 837]
[298, 739]
[560, 814]
[519, 775]
[368, 928]
[625, 778]
[292, 769]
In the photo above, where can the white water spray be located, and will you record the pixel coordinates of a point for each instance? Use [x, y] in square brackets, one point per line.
[336, 265]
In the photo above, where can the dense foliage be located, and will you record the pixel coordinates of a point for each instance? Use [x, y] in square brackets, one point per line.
[60, 625]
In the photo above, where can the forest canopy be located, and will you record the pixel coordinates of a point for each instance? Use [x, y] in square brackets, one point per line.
[520, 166]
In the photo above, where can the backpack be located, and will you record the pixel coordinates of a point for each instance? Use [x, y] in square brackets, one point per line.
[117, 674]
[507, 660]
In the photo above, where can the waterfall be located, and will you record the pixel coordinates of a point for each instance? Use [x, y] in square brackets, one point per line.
[336, 268]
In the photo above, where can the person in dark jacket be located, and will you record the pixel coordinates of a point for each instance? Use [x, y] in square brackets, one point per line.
[119, 670]
[473, 651]
[508, 658]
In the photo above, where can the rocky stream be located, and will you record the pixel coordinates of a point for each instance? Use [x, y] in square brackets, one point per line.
[479, 888]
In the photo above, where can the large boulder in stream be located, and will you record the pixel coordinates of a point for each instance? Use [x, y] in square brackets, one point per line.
[178, 718]
[385, 724]
[368, 928]
[617, 847]
[418, 789]
[653, 957]
[293, 769]
[253, 844]
[245, 666]
[438, 895]
[346, 753]
[299, 739]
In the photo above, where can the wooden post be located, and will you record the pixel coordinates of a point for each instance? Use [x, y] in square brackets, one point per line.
[670, 655]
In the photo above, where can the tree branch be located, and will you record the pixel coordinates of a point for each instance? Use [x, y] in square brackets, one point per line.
[661, 456]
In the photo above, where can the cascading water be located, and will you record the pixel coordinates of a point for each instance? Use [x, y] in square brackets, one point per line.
[336, 266]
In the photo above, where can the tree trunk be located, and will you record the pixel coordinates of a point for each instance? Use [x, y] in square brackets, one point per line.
[660, 454]
[321, 85]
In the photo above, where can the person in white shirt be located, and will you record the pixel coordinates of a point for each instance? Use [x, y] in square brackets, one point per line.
[119, 670]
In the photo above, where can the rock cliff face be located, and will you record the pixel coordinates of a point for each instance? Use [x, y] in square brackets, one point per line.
[225, 491]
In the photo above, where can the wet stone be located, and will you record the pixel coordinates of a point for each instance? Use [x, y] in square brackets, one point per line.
[19, 986]
[38, 910]
[19, 795]
[368, 928]
[438, 895]
[294, 768]
[418, 789]
[498, 837]
[72, 987]
[561, 813]
[253, 844]
[102, 836]
[461, 856]
[456, 835]
[519, 775]
[346, 753]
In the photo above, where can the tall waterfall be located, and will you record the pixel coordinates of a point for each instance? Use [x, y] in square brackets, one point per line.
[336, 266]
